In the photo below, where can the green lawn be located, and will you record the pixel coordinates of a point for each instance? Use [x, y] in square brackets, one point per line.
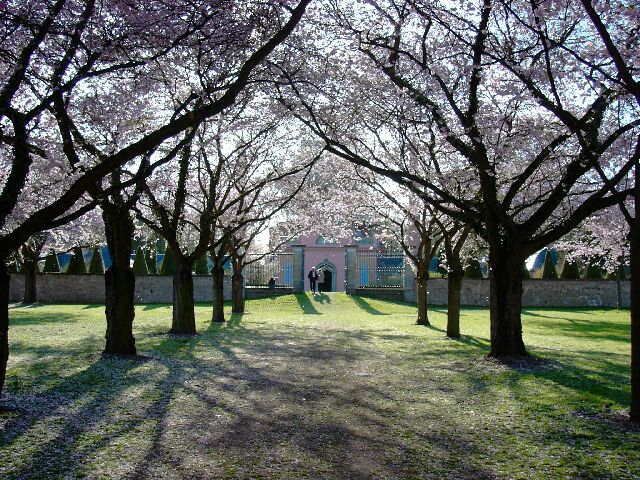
[325, 387]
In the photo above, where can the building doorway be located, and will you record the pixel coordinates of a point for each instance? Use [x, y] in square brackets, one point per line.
[329, 270]
[328, 281]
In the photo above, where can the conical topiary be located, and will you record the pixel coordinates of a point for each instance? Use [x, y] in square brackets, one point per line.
[569, 270]
[525, 272]
[201, 266]
[140, 263]
[51, 264]
[76, 264]
[152, 261]
[593, 272]
[96, 265]
[473, 269]
[168, 266]
[549, 269]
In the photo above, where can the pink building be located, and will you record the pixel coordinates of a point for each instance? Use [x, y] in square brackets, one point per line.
[329, 255]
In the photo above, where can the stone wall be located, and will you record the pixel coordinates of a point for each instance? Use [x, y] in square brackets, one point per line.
[386, 293]
[63, 288]
[535, 293]
[261, 292]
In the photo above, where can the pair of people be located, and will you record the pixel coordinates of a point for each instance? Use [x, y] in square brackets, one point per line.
[316, 280]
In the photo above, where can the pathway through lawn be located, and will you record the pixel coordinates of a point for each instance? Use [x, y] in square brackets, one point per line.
[317, 387]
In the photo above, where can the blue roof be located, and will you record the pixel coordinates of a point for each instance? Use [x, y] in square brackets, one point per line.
[538, 263]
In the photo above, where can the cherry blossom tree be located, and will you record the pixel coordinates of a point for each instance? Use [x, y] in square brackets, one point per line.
[266, 177]
[455, 243]
[609, 60]
[407, 220]
[221, 181]
[506, 118]
[59, 55]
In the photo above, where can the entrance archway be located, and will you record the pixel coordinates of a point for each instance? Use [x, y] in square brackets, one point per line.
[329, 275]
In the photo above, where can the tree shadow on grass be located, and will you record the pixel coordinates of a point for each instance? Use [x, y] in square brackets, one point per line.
[283, 411]
[322, 298]
[92, 410]
[305, 304]
[155, 306]
[586, 328]
[72, 407]
[94, 306]
[17, 319]
[261, 402]
[30, 306]
[482, 344]
[366, 306]
[273, 412]
[540, 311]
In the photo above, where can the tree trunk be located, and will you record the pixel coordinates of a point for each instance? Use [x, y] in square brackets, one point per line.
[184, 319]
[634, 254]
[217, 274]
[454, 283]
[120, 283]
[619, 272]
[421, 294]
[30, 268]
[30, 253]
[4, 321]
[237, 287]
[506, 300]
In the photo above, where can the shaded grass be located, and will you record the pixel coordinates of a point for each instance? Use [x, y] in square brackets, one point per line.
[326, 387]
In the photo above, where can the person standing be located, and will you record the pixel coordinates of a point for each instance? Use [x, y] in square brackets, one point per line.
[320, 280]
[313, 279]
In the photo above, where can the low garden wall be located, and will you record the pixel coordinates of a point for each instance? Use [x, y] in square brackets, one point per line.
[63, 288]
[386, 293]
[535, 293]
[261, 292]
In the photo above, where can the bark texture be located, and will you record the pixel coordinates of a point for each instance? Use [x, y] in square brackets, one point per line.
[184, 319]
[30, 253]
[30, 268]
[634, 254]
[454, 283]
[120, 283]
[421, 295]
[237, 287]
[217, 274]
[506, 300]
[4, 321]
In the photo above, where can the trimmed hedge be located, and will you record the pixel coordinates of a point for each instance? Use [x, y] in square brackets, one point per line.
[51, 264]
[140, 263]
[96, 265]
[549, 271]
[201, 266]
[76, 264]
[168, 266]
[569, 270]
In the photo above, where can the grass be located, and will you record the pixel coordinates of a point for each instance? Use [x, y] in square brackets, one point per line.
[325, 387]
